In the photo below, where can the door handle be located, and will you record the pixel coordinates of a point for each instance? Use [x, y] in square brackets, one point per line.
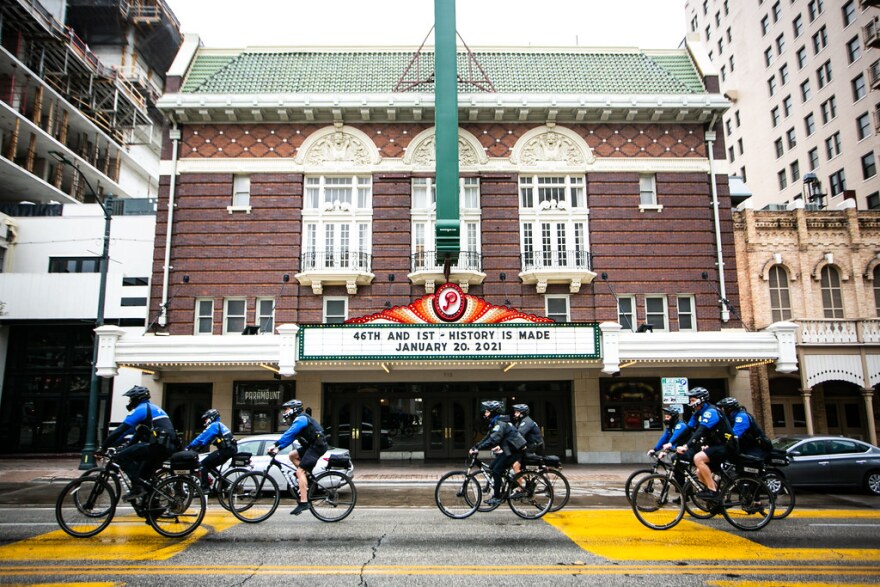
[355, 433]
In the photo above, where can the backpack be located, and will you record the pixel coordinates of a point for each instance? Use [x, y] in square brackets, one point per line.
[760, 437]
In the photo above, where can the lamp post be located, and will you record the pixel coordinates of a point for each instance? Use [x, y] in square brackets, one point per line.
[87, 458]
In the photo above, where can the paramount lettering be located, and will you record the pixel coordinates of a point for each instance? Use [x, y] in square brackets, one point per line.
[425, 347]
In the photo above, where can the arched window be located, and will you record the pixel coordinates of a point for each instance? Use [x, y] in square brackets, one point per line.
[877, 289]
[780, 301]
[831, 298]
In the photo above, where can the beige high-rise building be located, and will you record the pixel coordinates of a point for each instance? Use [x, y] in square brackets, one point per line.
[803, 77]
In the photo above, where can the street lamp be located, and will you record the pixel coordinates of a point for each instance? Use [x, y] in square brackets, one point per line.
[87, 459]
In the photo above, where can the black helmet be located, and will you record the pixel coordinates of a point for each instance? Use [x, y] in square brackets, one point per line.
[671, 410]
[138, 395]
[295, 405]
[728, 403]
[701, 394]
[210, 416]
[493, 407]
[521, 408]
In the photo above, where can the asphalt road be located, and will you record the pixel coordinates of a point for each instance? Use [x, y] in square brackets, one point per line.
[419, 546]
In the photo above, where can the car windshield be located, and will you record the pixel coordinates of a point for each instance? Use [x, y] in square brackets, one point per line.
[785, 442]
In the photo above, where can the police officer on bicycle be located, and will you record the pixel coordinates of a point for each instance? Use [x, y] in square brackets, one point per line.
[216, 433]
[529, 430]
[674, 430]
[752, 440]
[710, 441]
[310, 436]
[153, 441]
[506, 443]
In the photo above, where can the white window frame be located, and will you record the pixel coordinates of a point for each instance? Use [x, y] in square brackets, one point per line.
[566, 317]
[423, 218]
[551, 229]
[648, 193]
[267, 317]
[630, 315]
[691, 312]
[649, 314]
[228, 317]
[339, 228]
[241, 194]
[325, 313]
[200, 316]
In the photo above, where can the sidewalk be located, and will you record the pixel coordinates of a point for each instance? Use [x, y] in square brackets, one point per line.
[37, 481]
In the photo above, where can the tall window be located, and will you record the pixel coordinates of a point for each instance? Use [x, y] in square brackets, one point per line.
[626, 315]
[337, 223]
[266, 315]
[801, 56]
[813, 156]
[858, 87]
[424, 222]
[234, 315]
[853, 49]
[553, 222]
[241, 191]
[648, 190]
[820, 40]
[655, 312]
[780, 302]
[837, 181]
[849, 13]
[832, 146]
[877, 290]
[829, 109]
[204, 319]
[823, 74]
[335, 310]
[832, 301]
[798, 25]
[810, 123]
[687, 313]
[869, 165]
[863, 126]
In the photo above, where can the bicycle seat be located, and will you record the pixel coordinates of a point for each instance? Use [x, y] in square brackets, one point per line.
[552, 461]
[532, 459]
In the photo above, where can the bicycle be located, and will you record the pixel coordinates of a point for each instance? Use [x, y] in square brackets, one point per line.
[531, 498]
[658, 501]
[174, 505]
[658, 463]
[219, 483]
[549, 466]
[255, 496]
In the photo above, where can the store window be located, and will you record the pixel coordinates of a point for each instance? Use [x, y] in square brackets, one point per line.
[630, 404]
[257, 406]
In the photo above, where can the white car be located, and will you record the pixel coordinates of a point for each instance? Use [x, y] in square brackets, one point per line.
[259, 445]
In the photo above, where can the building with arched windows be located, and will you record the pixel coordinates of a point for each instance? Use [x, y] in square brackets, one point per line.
[821, 270]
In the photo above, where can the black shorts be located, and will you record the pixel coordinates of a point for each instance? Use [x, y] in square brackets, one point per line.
[308, 458]
[717, 453]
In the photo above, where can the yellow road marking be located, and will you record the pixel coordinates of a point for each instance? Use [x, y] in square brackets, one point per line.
[618, 535]
[773, 584]
[445, 570]
[126, 538]
[102, 584]
[860, 514]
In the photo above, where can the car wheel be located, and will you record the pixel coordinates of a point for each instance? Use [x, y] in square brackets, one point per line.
[872, 482]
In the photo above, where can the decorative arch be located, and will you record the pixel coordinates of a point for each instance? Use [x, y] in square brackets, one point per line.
[817, 270]
[422, 150]
[771, 262]
[821, 368]
[871, 266]
[555, 146]
[338, 145]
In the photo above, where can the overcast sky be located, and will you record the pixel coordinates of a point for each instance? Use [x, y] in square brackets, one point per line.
[647, 24]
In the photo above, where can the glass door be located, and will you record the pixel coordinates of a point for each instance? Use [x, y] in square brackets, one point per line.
[355, 425]
[185, 404]
[449, 423]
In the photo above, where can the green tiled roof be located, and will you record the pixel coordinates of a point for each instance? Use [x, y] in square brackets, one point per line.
[550, 71]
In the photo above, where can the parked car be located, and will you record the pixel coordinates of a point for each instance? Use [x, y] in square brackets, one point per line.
[259, 445]
[366, 432]
[830, 461]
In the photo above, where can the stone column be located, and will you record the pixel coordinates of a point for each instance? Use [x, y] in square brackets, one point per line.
[806, 394]
[868, 396]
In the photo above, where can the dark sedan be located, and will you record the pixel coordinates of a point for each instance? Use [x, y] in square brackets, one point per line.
[830, 461]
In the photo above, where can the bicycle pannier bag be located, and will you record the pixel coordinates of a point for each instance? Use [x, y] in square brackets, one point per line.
[185, 461]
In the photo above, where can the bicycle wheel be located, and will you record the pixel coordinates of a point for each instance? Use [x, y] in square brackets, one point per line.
[254, 497]
[458, 494]
[223, 484]
[111, 478]
[784, 494]
[176, 506]
[658, 502]
[631, 481]
[697, 507]
[85, 506]
[531, 495]
[487, 487]
[561, 489]
[748, 504]
[332, 496]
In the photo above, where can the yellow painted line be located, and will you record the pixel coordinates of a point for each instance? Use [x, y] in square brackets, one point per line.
[101, 584]
[126, 538]
[618, 535]
[773, 584]
[860, 514]
[445, 570]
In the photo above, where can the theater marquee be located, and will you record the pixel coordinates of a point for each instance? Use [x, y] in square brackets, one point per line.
[449, 325]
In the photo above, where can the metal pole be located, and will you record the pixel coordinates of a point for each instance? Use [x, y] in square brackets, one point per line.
[446, 128]
[87, 459]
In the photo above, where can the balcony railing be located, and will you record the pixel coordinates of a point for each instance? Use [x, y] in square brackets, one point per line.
[336, 260]
[830, 332]
[427, 261]
[874, 74]
[577, 260]
[871, 32]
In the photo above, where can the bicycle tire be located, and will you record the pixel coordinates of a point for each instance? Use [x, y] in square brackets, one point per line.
[458, 495]
[561, 489]
[117, 485]
[254, 497]
[654, 502]
[85, 506]
[785, 497]
[530, 495]
[487, 487]
[332, 496]
[176, 506]
[748, 504]
[697, 507]
[632, 479]
[223, 484]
